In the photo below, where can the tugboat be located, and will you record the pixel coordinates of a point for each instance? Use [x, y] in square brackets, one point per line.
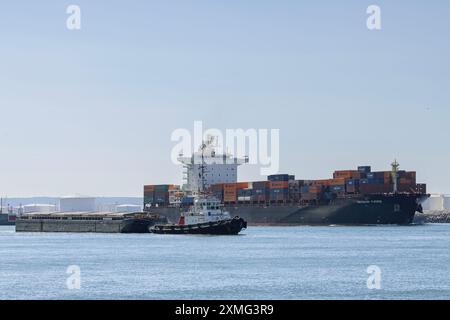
[205, 216]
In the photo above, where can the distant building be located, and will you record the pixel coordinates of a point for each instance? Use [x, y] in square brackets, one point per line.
[447, 202]
[6, 209]
[77, 204]
[434, 203]
[128, 208]
[37, 207]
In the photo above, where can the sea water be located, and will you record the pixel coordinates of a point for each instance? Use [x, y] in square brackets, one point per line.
[378, 262]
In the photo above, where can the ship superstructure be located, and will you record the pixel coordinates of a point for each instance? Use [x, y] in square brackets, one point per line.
[218, 167]
[206, 214]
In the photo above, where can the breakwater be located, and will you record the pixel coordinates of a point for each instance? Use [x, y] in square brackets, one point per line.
[433, 217]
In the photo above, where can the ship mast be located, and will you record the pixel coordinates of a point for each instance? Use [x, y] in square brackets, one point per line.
[395, 165]
[202, 169]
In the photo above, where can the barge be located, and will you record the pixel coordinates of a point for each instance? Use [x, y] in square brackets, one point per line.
[97, 222]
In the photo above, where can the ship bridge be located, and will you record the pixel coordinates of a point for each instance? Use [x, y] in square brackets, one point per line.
[217, 167]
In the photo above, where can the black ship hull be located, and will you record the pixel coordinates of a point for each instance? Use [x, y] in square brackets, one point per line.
[140, 225]
[363, 210]
[224, 227]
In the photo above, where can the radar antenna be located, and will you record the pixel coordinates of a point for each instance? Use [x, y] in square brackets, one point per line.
[202, 167]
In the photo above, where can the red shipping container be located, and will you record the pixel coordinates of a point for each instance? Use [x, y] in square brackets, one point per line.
[279, 184]
[336, 182]
[347, 174]
[321, 182]
[242, 185]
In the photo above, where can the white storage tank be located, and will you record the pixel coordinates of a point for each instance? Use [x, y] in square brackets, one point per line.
[77, 204]
[434, 203]
[447, 202]
[38, 207]
[128, 208]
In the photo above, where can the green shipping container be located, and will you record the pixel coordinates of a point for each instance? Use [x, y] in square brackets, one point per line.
[162, 188]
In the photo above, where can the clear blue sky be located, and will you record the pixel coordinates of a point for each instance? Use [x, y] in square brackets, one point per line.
[91, 111]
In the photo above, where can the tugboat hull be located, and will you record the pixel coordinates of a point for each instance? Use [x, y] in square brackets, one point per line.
[223, 227]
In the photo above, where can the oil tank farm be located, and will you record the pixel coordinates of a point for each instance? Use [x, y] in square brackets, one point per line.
[128, 208]
[39, 207]
[77, 203]
[447, 202]
[434, 203]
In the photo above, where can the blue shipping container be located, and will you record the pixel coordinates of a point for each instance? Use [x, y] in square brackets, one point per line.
[337, 189]
[279, 191]
[375, 181]
[245, 192]
[260, 191]
[364, 169]
[353, 182]
[278, 177]
[187, 200]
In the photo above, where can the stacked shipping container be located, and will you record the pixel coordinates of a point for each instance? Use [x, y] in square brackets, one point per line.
[158, 194]
[284, 188]
[279, 190]
[261, 191]
[149, 195]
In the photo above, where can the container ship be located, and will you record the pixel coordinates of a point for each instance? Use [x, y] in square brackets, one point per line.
[349, 197]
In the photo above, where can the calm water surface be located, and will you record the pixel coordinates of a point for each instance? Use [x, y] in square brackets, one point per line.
[262, 263]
